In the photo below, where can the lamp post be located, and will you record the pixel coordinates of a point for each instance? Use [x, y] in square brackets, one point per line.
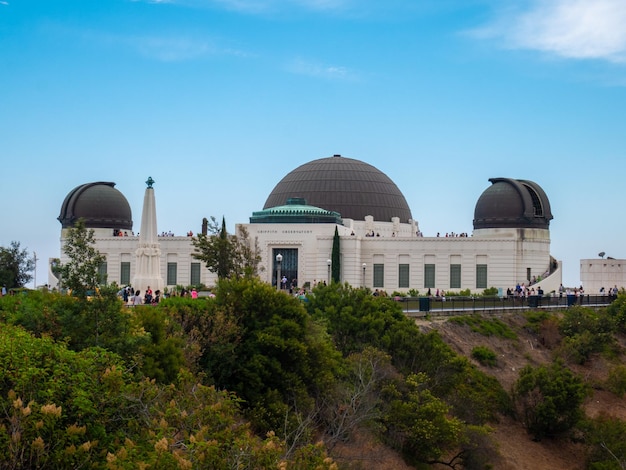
[329, 262]
[279, 260]
[35, 259]
[364, 266]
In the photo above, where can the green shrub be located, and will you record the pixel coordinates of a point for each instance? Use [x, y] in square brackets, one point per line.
[605, 438]
[535, 318]
[616, 382]
[490, 291]
[484, 355]
[485, 326]
[586, 331]
[549, 399]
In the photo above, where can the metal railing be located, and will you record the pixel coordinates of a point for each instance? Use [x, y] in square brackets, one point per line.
[423, 306]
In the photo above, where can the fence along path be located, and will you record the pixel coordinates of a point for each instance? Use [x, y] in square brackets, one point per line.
[433, 306]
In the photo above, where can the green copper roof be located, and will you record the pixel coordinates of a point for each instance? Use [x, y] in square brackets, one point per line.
[296, 211]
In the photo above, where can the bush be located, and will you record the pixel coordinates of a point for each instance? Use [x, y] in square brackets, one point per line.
[605, 438]
[490, 291]
[535, 318]
[484, 355]
[549, 399]
[616, 382]
[485, 326]
[586, 331]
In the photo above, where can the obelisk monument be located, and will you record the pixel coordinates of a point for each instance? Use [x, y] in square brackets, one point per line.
[148, 254]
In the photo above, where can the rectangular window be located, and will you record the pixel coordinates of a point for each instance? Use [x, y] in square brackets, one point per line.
[455, 276]
[403, 275]
[171, 274]
[102, 273]
[195, 274]
[379, 275]
[125, 273]
[429, 275]
[481, 276]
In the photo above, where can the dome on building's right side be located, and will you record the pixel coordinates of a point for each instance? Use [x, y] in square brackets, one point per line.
[511, 203]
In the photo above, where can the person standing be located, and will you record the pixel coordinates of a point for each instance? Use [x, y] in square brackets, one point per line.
[137, 298]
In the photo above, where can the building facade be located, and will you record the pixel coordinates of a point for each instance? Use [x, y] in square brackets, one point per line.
[381, 245]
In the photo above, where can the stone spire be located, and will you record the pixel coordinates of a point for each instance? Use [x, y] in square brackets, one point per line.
[148, 254]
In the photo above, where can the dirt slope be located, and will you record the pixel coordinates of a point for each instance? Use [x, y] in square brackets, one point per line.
[516, 448]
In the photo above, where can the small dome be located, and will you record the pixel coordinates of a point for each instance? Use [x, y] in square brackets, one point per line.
[99, 204]
[510, 203]
[352, 188]
[296, 211]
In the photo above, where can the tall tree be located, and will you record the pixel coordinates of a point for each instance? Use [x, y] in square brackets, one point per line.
[229, 256]
[336, 258]
[80, 273]
[216, 250]
[248, 261]
[15, 266]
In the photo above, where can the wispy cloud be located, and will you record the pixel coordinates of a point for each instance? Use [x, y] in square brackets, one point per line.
[577, 29]
[171, 49]
[315, 69]
[154, 1]
[2, 2]
[260, 6]
[166, 47]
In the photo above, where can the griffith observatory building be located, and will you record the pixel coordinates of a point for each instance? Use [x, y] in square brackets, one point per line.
[381, 245]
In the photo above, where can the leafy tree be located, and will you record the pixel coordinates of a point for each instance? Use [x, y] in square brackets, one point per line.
[549, 399]
[162, 355]
[356, 398]
[102, 321]
[248, 259]
[605, 436]
[80, 273]
[262, 345]
[227, 255]
[336, 257]
[418, 423]
[617, 310]
[15, 266]
[585, 331]
[357, 319]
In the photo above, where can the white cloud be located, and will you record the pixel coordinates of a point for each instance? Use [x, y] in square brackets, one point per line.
[577, 29]
[315, 69]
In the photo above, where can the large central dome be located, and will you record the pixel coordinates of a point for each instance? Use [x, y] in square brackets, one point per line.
[350, 187]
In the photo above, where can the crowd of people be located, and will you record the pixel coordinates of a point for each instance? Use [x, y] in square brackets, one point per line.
[122, 233]
[132, 297]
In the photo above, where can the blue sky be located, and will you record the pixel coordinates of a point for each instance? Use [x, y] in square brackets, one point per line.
[218, 99]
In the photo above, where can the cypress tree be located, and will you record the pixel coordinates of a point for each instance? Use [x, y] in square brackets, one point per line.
[335, 258]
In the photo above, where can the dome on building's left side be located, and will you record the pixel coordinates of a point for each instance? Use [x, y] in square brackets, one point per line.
[99, 204]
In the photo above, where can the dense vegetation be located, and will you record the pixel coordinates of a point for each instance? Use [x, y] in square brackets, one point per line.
[254, 378]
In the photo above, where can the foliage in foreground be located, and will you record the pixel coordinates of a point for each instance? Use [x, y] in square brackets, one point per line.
[65, 409]
[101, 382]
